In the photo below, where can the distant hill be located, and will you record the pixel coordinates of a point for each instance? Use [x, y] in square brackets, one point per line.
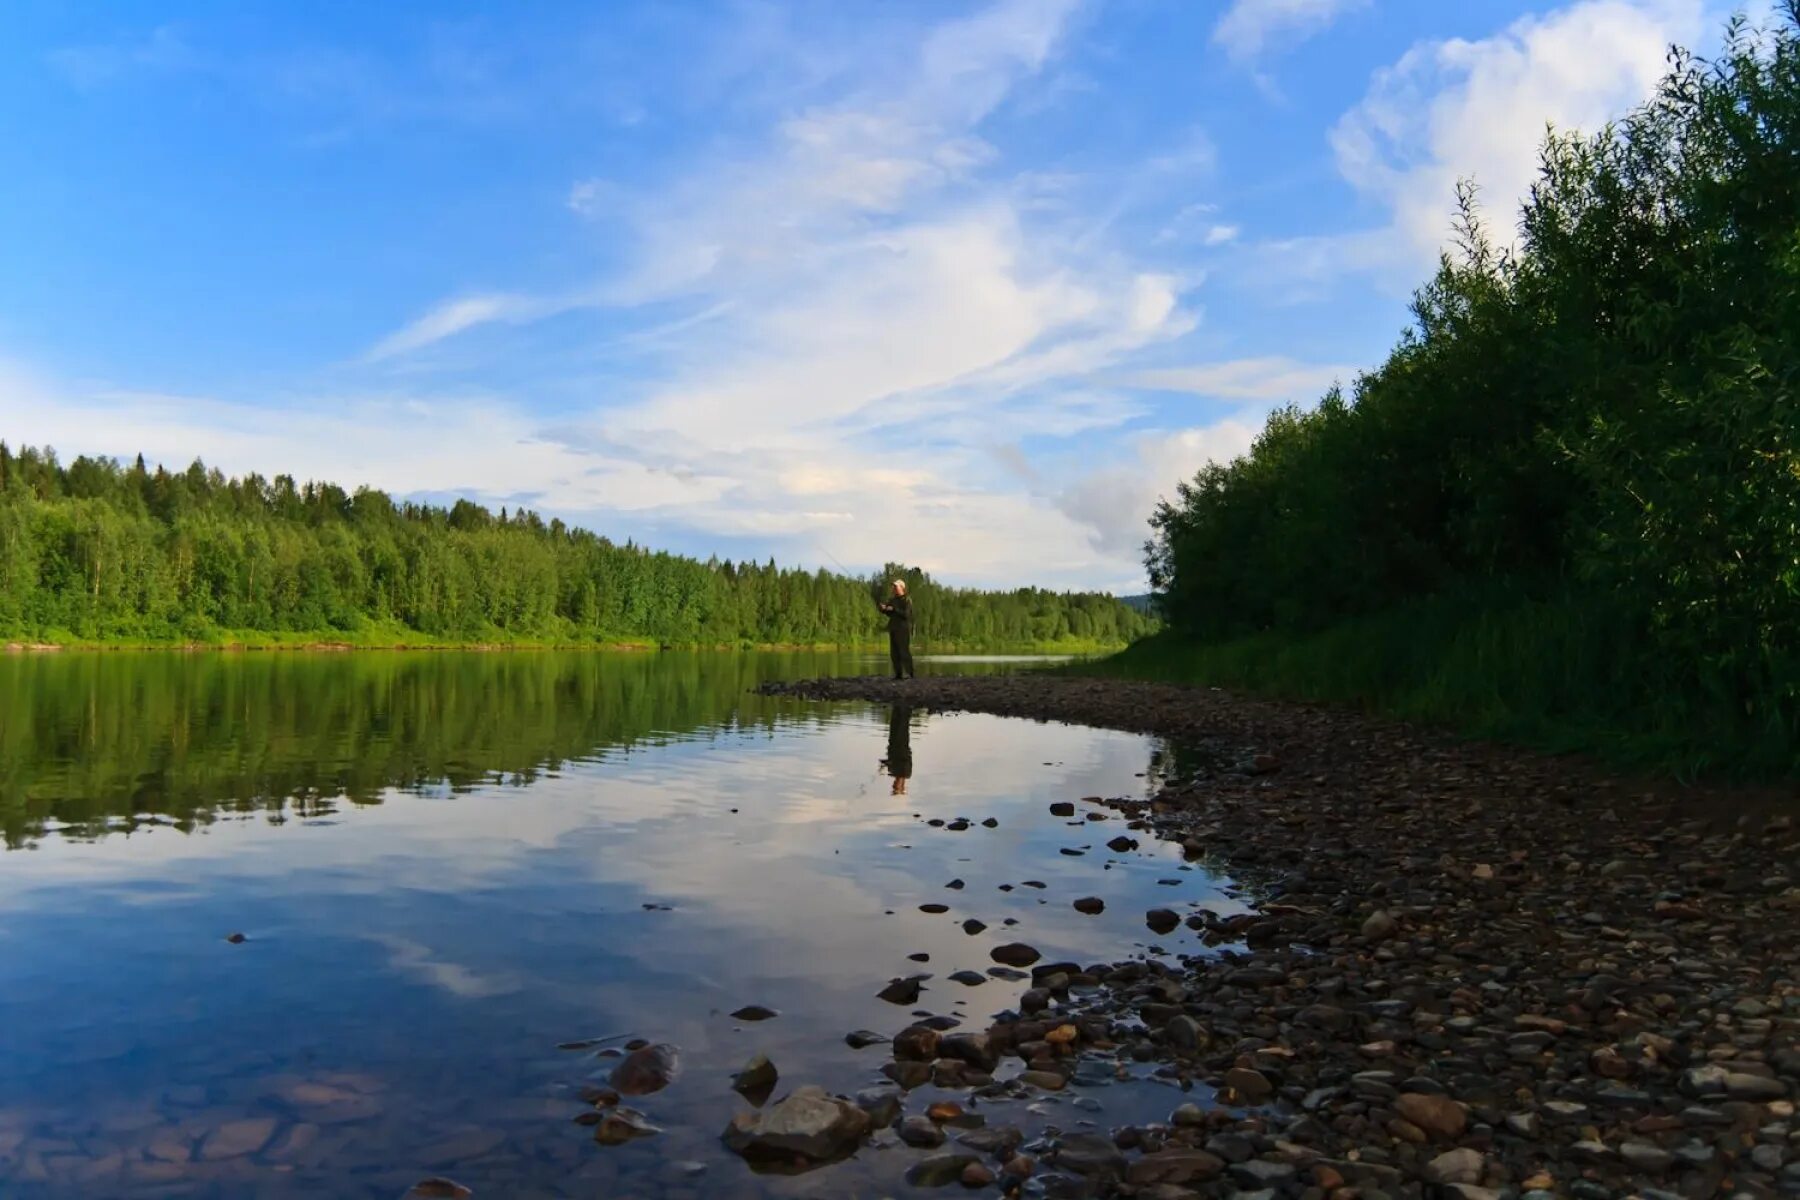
[1145, 603]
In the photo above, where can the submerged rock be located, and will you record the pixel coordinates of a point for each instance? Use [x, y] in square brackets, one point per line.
[940, 1170]
[646, 1070]
[754, 1012]
[757, 1079]
[620, 1125]
[901, 991]
[809, 1124]
[437, 1188]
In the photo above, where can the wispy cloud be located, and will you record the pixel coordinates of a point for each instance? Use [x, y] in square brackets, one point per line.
[1269, 378]
[884, 288]
[1251, 29]
[464, 313]
[161, 51]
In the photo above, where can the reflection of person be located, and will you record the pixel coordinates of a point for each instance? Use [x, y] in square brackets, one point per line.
[899, 756]
[899, 614]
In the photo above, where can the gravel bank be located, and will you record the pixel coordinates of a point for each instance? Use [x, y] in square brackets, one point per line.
[1475, 972]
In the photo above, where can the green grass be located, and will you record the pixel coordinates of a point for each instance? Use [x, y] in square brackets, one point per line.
[1557, 676]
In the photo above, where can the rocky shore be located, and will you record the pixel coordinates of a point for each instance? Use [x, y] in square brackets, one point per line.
[1474, 973]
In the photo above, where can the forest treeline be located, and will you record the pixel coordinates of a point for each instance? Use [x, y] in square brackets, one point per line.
[1571, 494]
[99, 551]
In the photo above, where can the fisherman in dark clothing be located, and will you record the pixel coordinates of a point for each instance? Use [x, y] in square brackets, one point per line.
[899, 614]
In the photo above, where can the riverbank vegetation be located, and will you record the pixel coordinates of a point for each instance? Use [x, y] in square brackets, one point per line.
[96, 552]
[1567, 506]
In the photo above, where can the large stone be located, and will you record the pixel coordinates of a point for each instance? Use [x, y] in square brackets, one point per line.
[1089, 1154]
[809, 1123]
[1014, 954]
[917, 1043]
[1456, 1166]
[1174, 1166]
[1378, 925]
[646, 1070]
[921, 1131]
[756, 1080]
[1253, 1086]
[1438, 1116]
[881, 1103]
[901, 991]
[1162, 920]
[940, 1169]
[908, 1075]
[976, 1049]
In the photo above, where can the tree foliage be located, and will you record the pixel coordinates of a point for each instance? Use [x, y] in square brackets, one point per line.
[1605, 416]
[100, 551]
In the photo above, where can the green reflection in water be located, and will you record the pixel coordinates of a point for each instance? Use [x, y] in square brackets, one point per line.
[98, 741]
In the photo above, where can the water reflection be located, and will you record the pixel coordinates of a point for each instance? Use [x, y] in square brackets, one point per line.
[94, 742]
[899, 761]
[411, 967]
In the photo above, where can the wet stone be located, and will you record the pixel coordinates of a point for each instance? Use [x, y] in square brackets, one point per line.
[940, 1170]
[1014, 954]
[647, 1070]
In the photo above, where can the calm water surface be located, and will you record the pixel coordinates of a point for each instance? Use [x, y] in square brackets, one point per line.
[447, 864]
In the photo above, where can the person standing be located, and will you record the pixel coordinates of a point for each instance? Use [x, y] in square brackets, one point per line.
[899, 614]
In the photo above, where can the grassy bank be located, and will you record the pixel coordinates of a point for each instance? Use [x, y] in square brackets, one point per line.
[1557, 675]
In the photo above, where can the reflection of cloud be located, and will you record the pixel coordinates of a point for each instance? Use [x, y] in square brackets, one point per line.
[411, 958]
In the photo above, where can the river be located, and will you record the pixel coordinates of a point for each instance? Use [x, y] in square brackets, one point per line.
[444, 866]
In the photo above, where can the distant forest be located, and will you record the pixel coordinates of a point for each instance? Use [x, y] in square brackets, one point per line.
[96, 551]
[1571, 495]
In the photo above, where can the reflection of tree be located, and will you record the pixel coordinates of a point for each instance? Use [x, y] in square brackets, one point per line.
[89, 740]
[1174, 763]
[899, 761]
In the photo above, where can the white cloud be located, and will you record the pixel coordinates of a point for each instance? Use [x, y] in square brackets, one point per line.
[1251, 28]
[888, 303]
[1456, 109]
[834, 322]
[1270, 378]
[454, 316]
[1114, 502]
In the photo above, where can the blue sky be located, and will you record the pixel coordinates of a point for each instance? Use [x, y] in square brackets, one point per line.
[964, 284]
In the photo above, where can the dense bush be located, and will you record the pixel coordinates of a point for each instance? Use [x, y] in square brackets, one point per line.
[1603, 421]
[102, 552]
